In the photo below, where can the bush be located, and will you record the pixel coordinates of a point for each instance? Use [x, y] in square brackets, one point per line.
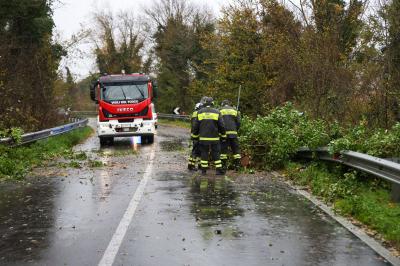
[376, 142]
[273, 139]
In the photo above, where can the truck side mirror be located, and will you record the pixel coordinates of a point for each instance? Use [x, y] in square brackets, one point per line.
[155, 89]
[93, 87]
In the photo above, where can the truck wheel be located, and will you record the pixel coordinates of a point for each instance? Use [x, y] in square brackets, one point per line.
[106, 140]
[150, 139]
[103, 141]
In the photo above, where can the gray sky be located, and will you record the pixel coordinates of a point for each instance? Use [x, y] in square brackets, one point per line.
[70, 15]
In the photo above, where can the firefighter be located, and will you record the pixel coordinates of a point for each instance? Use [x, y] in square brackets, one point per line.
[209, 128]
[231, 119]
[195, 154]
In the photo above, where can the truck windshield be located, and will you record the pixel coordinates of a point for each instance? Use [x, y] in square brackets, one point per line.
[120, 92]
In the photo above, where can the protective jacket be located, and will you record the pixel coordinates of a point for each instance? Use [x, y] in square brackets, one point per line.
[209, 126]
[231, 119]
[193, 121]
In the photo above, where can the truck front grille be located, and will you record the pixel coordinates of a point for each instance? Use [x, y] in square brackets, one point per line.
[110, 115]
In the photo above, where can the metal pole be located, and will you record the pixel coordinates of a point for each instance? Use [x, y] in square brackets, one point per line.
[238, 101]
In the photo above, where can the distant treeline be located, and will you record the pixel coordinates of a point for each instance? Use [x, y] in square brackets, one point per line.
[337, 60]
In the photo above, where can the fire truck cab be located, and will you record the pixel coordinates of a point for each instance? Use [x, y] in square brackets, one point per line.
[125, 107]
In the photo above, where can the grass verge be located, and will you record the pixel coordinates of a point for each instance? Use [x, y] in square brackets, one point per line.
[363, 198]
[177, 123]
[16, 163]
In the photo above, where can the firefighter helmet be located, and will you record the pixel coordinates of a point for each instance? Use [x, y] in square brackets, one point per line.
[209, 101]
[197, 106]
[226, 102]
[203, 100]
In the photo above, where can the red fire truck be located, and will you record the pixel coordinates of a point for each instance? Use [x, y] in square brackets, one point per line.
[125, 107]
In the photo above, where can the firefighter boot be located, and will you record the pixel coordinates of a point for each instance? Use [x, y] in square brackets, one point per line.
[220, 171]
[224, 164]
[237, 165]
[203, 171]
[191, 167]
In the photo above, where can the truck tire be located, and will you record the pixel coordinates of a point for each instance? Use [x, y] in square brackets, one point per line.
[150, 139]
[103, 141]
[106, 140]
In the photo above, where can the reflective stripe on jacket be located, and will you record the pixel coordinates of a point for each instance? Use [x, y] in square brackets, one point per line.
[209, 126]
[231, 119]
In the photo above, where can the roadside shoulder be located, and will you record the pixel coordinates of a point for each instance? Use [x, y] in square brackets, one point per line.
[357, 231]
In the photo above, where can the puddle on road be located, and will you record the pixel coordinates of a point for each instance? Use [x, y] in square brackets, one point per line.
[215, 205]
[214, 201]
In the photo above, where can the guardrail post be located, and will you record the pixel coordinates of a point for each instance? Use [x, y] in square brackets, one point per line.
[396, 193]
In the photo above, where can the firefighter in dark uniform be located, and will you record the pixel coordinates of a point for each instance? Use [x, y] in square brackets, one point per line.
[195, 154]
[231, 119]
[209, 127]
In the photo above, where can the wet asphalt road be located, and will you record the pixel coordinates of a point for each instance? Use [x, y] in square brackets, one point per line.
[68, 216]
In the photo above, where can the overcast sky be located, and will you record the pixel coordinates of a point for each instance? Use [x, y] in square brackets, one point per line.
[70, 15]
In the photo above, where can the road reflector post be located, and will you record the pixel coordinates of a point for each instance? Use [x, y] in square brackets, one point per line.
[396, 193]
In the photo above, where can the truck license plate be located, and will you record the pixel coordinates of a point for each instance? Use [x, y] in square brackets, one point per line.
[129, 129]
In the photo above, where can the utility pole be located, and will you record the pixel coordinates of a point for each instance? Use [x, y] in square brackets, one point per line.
[238, 101]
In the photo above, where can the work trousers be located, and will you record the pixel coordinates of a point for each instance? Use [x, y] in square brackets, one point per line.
[233, 145]
[215, 149]
[195, 155]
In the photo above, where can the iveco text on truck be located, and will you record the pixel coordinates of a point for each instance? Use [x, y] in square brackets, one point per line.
[125, 107]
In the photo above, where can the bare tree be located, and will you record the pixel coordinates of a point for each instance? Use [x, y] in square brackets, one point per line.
[119, 42]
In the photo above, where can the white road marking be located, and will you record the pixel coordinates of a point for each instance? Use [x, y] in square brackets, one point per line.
[116, 241]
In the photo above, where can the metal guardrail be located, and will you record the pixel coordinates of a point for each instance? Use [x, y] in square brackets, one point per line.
[83, 113]
[43, 134]
[386, 169]
[175, 117]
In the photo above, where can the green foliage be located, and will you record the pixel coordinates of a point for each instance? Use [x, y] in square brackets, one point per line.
[81, 156]
[364, 198]
[275, 57]
[16, 162]
[393, 47]
[29, 62]
[14, 133]
[376, 142]
[74, 164]
[329, 183]
[273, 139]
[374, 208]
[95, 164]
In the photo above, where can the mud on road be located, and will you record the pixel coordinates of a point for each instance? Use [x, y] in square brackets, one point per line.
[68, 216]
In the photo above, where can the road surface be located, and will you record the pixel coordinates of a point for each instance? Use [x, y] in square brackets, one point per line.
[145, 208]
